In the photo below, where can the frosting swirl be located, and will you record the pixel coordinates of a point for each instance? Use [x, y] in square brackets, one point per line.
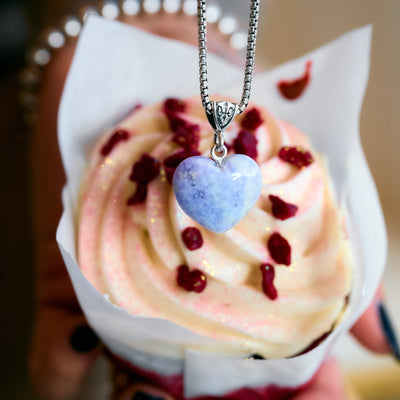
[133, 252]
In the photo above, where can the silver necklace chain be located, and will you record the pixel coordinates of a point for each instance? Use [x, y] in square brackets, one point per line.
[221, 113]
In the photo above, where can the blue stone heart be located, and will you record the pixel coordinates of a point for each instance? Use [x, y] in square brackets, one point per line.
[217, 197]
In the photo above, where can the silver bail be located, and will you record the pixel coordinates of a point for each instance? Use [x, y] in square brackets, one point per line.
[221, 114]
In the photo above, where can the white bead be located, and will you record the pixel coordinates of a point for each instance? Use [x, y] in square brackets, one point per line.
[55, 39]
[227, 25]
[172, 6]
[72, 26]
[41, 56]
[238, 40]
[131, 7]
[110, 10]
[190, 7]
[213, 13]
[152, 6]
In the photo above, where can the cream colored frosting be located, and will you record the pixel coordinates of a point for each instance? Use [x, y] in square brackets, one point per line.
[132, 253]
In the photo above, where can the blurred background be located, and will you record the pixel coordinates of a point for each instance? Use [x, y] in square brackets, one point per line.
[288, 29]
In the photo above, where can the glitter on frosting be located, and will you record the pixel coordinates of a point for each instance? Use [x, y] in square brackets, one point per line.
[132, 253]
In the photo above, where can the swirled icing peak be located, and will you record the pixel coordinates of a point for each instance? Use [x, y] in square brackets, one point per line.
[271, 285]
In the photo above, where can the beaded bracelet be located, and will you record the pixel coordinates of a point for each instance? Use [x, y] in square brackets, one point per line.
[70, 27]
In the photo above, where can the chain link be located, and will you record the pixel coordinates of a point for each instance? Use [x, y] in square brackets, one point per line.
[250, 55]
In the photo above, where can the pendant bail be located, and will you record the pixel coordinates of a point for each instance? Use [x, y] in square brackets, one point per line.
[221, 114]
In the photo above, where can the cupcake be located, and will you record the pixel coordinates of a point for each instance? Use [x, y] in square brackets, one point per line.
[273, 285]
[248, 313]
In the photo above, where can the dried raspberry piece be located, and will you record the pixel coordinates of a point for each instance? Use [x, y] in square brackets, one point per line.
[192, 281]
[187, 136]
[172, 106]
[145, 170]
[252, 120]
[268, 276]
[139, 196]
[172, 162]
[292, 89]
[281, 209]
[279, 249]
[192, 238]
[118, 136]
[296, 156]
[176, 122]
[246, 143]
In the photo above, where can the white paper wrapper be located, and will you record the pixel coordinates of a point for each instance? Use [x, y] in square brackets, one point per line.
[116, 66]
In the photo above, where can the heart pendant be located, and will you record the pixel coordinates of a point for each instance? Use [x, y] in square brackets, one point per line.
[217, 197]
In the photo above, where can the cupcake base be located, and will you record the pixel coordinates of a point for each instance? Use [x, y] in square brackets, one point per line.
[174, 384]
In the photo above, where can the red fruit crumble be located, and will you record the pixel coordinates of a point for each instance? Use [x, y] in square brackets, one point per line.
[296, 156]
[292, 89]
[172, 106]
[281, 209]
[139, 196]
[187, 136]
[172, 161]
[176, 122]
[118, 136]
[252, 120]
[192, 281]
[268, 276]
[192, 238]
[279, 249]
[246, 143]
[145, 170]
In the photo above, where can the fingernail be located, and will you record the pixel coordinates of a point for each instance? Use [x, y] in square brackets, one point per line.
[145, 396]
[388, 330]
[83, 339]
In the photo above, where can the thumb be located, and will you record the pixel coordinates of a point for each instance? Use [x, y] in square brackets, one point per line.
[143, 392]
[326, 384]
[64, 347]
[374, 329]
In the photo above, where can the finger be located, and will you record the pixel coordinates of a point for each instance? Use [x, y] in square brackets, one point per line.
[64, 349]
[326, 384]
[143, 392]
[370, 331]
